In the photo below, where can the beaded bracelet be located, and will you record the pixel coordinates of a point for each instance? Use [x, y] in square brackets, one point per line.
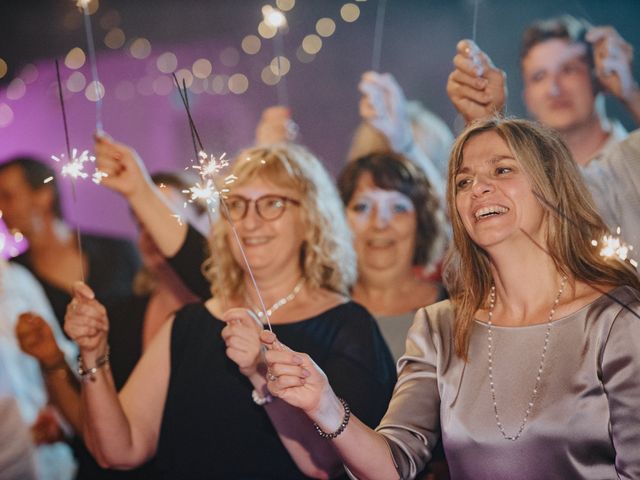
[90, 373]
[343, 425]
[259, 399]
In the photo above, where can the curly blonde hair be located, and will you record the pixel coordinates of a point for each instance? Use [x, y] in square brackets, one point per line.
[572, 220]
[327, 258]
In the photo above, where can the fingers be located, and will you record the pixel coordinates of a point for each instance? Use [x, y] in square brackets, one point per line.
[82, 291]
[242, 316]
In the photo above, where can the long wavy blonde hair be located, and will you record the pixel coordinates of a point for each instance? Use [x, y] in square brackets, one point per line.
[327, 258]
[570, 215]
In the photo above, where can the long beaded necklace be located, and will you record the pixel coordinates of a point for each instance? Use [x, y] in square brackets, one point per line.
[279, 303]
[534, 393]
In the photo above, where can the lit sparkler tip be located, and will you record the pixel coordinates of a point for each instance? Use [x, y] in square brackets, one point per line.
[82, 3]
[273, 17]
[614, 247]
[98, 175]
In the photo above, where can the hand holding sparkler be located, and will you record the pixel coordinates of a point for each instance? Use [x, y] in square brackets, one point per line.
[86, 323]
[476, 87]
[276, 126]
[384, 106]
[126, 173]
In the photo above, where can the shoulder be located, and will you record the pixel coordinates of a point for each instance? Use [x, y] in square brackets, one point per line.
[433, 324]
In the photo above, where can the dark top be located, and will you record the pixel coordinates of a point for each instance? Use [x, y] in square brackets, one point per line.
[188, 260]
[113, 262]
[211, 428]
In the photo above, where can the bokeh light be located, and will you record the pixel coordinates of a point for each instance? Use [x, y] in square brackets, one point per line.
[75, 58]
[140, 48]
[167, 62]
[202, 68]
[92, 93]
[76, 82]
[115, 38]
[350, 12]
[238, 83]
[325, 27]
[312, 44]
[251, 44]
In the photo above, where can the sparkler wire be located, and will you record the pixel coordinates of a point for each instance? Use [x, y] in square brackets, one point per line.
[94, 67]
[377, 36]
[185, 101]
[73, 182]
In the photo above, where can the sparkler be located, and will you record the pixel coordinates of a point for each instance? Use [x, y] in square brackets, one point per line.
[99, 89]
[614, 247]
[274, 18]
[208, 167]
[377, 36]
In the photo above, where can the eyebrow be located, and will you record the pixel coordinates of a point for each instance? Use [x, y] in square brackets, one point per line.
[492, 161]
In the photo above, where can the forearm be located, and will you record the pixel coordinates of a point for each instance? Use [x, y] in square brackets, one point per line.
[64, 393]
[106, 429]
[421, 160]
[364, 451]
[158, 219]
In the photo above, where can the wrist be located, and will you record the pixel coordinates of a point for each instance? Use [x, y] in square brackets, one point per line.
[87, 368]
[55, 362]
[329, 413]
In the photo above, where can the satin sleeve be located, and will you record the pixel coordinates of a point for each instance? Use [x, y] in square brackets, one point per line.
[411, 425]
[621, 379]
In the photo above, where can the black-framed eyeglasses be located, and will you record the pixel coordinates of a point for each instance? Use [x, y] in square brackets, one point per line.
[268, 207]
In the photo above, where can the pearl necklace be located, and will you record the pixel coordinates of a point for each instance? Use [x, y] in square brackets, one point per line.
[280, 303]
[534, 393]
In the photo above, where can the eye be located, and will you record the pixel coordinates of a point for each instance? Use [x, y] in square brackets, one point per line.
[537, 76]
[401, 208]
[361, 207]
[503, 170]
[463, 183]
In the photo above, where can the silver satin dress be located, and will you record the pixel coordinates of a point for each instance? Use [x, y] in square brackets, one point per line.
[585, 423]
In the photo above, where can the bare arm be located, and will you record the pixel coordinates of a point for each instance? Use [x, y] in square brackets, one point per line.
[35, 338]
[127, 175]
[120, 431]
[299, 382]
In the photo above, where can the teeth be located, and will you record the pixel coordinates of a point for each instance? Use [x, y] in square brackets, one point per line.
[489, 211]
[255, 241]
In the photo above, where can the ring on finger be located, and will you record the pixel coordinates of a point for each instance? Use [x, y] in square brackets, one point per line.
[271, 377]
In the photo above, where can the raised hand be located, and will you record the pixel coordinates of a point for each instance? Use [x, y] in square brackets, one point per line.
[384, 106]
[126, 172]
[476, 87]
[612, 57]
[241, 335]
[35, 338]
[86, 322]
[276, 126]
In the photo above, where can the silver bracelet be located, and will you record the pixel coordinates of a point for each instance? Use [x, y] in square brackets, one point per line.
[343, 425]
[90, 373]
[259, 399]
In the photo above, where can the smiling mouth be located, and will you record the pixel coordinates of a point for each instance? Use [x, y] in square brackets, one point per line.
[492, 211]
[255, 241]
[379, 243]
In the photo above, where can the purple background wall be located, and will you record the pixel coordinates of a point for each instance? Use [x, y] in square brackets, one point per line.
[418, 44]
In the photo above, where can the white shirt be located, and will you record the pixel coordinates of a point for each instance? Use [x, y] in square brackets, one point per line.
[613, 177]
[20, 375]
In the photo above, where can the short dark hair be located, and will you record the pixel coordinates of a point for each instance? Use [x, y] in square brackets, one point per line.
[564, 27]
[35, 173]
[393, 172]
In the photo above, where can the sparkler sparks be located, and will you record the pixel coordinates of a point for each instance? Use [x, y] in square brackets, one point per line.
[614, 247]
[206, 193]
[210, 165]
[74, 168]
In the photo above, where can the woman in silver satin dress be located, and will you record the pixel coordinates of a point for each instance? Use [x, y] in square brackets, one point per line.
[532, 369]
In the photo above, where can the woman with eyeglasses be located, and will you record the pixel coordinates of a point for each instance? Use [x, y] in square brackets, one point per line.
[198, 398]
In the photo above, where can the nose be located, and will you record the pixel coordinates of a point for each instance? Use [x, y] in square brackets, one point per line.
[554, 87]
[481, 185]
[382, 216]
